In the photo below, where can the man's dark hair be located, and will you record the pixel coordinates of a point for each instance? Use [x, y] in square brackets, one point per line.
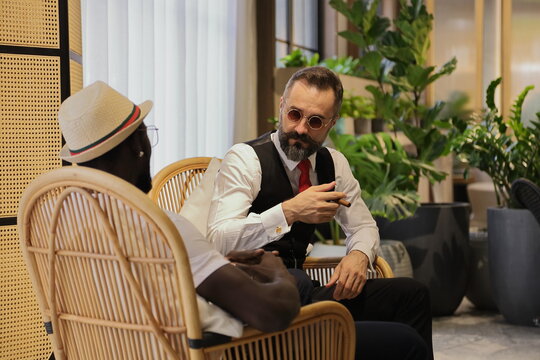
[322, 79]
[111, 157]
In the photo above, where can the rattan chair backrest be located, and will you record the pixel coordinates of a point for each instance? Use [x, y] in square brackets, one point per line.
[173, 184]
[109, 268]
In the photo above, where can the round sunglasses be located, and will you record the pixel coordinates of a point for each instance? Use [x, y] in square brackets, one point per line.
[315, 122]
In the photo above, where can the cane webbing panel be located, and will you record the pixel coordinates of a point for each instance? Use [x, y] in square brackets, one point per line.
[74, 14]
[29, 23]
[22, 335]
[75, 76]
[29, 131]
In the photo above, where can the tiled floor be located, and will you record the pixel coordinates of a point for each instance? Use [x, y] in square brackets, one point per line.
[473, 335]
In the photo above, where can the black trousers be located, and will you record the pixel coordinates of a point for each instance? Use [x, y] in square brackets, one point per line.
[381, 340]
[384, 304]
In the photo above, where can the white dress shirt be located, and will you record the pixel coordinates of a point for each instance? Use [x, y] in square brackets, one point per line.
[238, 183]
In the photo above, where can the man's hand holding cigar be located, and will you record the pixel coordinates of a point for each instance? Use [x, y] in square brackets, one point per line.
[344, 203]
[317, 204]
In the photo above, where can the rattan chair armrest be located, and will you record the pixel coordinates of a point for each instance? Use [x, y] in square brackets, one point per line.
[327, 316]
[381, 266]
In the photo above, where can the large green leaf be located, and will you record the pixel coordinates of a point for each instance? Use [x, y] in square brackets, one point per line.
[517, 106]
[372, 63]
[446, 69]
[378, 28]
[418, 76]
[490, 95]
[354, 37]
[342, 7]
[384, 103]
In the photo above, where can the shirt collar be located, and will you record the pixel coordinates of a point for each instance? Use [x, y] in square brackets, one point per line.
[291, 165]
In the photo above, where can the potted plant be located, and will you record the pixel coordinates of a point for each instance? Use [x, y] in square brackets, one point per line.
[395, 61]
[507, 149]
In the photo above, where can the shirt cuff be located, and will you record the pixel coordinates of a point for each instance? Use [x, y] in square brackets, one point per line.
[366, 248]
[274, 222]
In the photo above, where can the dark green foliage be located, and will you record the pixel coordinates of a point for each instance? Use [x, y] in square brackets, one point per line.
[297, 58]
[389, 176]
[396, 60]
[505, 149]
[356, 107]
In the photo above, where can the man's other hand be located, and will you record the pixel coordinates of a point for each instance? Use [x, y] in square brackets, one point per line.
[313, 206]
[350, 275]
[268, 269]
[245, 256]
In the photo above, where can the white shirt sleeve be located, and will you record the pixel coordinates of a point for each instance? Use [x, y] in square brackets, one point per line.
[203, 258]
[356, 221]
[238, 183]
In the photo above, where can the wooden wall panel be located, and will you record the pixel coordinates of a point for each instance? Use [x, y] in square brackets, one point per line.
[21, 329]
[29, 23]
[40, 66]
[29, 134]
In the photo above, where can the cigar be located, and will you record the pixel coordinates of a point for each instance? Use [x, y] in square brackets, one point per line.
[343, 202]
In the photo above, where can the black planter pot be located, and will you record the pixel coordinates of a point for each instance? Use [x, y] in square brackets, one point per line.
[514, 263]
[479, 289]
[436, 238]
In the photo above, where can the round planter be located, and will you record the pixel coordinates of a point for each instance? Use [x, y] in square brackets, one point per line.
[436, 238]
[514, 263]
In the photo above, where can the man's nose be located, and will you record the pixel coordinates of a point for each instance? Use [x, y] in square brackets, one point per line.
[302, 127]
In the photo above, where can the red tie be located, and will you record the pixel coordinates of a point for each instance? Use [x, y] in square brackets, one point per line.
[304, 182]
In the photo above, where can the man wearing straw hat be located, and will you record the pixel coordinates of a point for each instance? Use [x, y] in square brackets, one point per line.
[104, 130]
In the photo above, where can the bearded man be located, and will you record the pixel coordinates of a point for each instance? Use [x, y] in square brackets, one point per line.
[271, 192]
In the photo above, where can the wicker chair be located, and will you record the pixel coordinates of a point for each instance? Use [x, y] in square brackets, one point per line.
[174, 183]
[113, 280]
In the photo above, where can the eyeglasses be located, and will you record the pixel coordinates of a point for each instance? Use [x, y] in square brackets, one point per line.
[315, 122]
[152, 133]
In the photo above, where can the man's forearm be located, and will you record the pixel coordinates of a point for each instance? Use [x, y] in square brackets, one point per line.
[241, 234]
[267, 306]
[250, 232]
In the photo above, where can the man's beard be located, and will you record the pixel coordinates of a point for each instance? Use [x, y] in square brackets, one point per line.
[297, 152]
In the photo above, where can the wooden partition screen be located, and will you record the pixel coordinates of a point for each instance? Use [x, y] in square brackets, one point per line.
[40, 66]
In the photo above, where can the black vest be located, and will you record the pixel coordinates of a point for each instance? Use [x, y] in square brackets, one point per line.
[276, 188]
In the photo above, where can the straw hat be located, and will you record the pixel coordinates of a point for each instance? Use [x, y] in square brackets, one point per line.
[95, 120]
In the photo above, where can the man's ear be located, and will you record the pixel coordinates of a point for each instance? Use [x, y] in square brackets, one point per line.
[281, 103]
[135, 144]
